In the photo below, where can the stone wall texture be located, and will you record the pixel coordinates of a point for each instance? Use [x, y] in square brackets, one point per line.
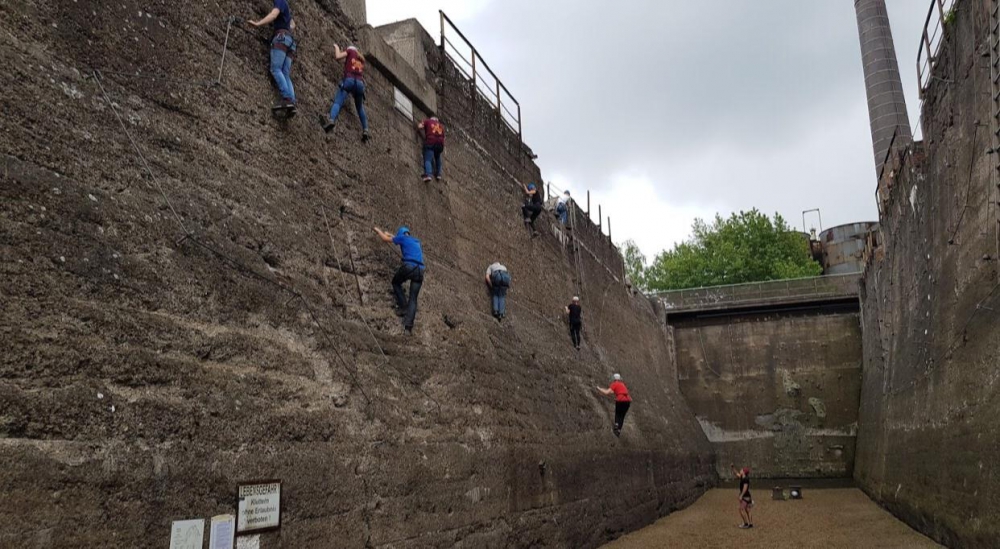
[776, 391]
[928, 434]
[228, 317]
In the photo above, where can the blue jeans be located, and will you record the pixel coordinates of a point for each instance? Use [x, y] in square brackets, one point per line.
[415, 274]
[432, 160]
[281, 65]
[356, 88]
[499, 301]
[563, 213]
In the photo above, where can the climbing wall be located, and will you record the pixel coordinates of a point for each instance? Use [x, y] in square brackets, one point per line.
[193, 297]
[927, 433]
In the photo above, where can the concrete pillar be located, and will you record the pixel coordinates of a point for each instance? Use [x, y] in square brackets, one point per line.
[886, 104]
[357, 10]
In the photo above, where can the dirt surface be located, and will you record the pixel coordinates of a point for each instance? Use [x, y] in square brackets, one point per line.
[842, 517]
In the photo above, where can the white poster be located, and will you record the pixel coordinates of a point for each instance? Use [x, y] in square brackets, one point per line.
[222, 532]
[248, 542]
[259, 507]
[187, 534]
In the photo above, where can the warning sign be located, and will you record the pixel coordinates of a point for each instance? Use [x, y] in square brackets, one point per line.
[259, 507]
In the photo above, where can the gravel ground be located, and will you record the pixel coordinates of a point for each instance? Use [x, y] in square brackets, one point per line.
[824, 518]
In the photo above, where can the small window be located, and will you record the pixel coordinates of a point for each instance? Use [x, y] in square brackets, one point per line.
[403, 103]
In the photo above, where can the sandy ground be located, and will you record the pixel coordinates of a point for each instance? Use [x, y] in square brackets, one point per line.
[825, 518]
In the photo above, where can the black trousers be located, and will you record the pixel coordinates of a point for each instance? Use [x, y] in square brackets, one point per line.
[415, 274]
[531, 211]
[574, 332]
[621, 408]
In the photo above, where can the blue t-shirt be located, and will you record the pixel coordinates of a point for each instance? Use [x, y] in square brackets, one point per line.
[284, 20]
[412, 252]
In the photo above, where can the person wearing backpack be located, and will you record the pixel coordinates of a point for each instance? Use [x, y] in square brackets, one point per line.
[498, 279]
[353, 85]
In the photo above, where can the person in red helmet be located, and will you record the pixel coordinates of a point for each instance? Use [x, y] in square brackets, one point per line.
[622, 401]
[746, 500]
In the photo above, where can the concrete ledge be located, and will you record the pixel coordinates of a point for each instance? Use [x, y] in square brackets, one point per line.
[397, 69]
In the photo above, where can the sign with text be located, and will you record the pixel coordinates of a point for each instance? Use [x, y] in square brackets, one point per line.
[259, 507]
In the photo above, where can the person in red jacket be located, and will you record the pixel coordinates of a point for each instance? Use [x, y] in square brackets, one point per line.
[622, 401]
[433, 147]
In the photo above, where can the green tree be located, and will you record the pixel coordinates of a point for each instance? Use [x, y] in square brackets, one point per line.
[746, 247]
[635, 264]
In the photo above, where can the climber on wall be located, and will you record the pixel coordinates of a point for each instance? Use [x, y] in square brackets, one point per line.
[575, 313]
[562, 208]
[622, 401]
[746, 500]
[433, 147]
[283, 49]
[353, 84]
[532, 207]
[498, 279]
[412, 269]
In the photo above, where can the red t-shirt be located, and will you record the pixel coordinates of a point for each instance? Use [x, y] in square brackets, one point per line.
[354, 65]
[433, 132]
[621, 392]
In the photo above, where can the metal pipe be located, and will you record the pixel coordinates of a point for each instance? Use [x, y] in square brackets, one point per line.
[609, 228]
[600, 220]
[588, 204]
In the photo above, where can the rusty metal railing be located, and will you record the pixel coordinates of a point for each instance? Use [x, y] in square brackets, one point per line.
[472, 65]
[798, 289]
[935, 29]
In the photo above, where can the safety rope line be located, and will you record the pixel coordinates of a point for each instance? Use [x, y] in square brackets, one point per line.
[236, 264]
[371, 332]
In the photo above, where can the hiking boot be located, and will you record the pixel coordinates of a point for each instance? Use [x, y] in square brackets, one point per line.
[365, 136]
[437, 178]
[289, 106]
[327, 124]
[617, 432]
[408, 330]
[426, 179]
[744, 526]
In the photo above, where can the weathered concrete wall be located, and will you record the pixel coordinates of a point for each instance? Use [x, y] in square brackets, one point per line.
[777, 391]
[928, 433]
[144, 374]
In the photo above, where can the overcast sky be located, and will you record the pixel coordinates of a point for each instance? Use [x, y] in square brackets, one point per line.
[668, 110]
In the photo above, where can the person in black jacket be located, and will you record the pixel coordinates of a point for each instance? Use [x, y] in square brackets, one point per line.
[532, 208]
[575, 313]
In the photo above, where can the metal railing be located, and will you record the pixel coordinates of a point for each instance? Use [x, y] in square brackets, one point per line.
[472, 65]
[795, 289]
[930, 41]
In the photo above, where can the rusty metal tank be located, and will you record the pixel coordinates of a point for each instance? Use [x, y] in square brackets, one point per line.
[844, 247]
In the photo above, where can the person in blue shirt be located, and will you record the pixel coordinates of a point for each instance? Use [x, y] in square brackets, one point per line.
[283, 48]
[412, 269]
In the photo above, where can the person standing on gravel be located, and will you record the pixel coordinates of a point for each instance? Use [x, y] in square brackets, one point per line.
[498, 279]
[283, 48]
[353, 84]
[411, 269]
[622, 401]
[746, 500]
[575, 313]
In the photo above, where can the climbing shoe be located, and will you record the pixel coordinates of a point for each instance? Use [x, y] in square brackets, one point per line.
[326, 123]
[365, 136]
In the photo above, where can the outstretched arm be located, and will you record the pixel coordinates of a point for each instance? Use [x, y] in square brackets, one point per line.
[338, 53]
[268, 19]
[386, 237]
[604, 391]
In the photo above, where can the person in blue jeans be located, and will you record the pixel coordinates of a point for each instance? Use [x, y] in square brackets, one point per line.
[411, 269]
[433, 147]
[353, 84]
[283, 48]
[562, 208]
[498, 279]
